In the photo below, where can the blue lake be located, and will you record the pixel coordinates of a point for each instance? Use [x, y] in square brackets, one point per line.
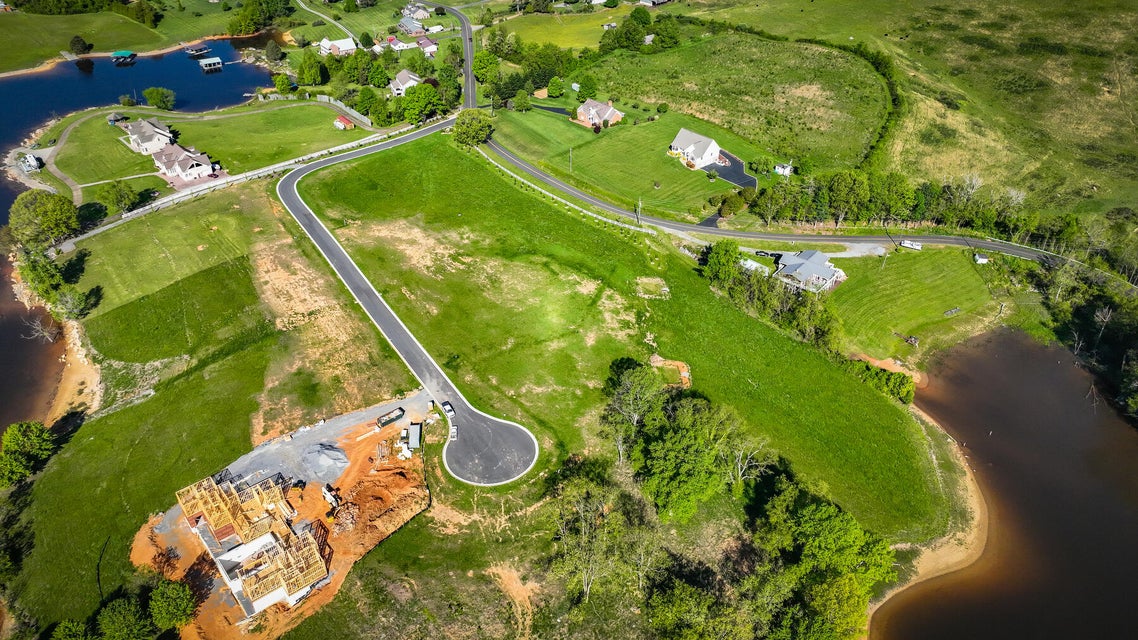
[32, 99]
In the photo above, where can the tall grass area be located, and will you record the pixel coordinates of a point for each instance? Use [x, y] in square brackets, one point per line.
[187, 284]
[797, 101]
[526, 307]
[1027, 93]
[622, 164]
[566, 30]
[886, 300]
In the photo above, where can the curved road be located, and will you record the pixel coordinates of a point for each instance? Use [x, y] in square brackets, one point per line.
[488, 451]
[961, 241]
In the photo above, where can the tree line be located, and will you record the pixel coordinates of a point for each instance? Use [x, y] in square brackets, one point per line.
[799, 567]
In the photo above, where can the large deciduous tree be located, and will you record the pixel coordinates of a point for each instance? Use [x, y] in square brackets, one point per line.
[722, 265]
[39, 218]
[116, 196]
[420, 102]
[123, 619]
[485, 66]
[159, 98]
[172, 605]
[472, 127]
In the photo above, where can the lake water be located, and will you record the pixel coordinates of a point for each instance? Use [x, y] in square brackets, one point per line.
[29, 369]
[1060, 475]
[32, 99]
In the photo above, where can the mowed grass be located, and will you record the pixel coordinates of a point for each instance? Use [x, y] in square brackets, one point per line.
[622, 163]
[526, 306]
[96, 151]
[882, 305]
[260, 138]
[374, 20]
[185, 282]
[30, 39]
[566, 30]
[797, 101]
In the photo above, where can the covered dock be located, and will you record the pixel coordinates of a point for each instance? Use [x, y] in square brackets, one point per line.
[210, 64]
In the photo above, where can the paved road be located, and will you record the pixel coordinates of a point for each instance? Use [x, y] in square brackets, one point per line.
[469, 91]
[975, 243]
[488, 450]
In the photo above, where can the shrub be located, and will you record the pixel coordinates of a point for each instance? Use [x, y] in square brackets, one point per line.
[662, 107]
[318, 23]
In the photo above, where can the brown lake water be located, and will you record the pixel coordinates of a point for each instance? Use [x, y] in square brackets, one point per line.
[29, 369]
[1060, 476]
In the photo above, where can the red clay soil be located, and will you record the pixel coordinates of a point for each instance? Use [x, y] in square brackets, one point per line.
[377, 497]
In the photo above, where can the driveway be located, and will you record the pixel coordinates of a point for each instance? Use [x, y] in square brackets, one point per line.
[735, 173]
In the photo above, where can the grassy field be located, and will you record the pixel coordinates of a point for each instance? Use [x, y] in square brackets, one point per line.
[94, 152]
[569, 30]
[796, 101]
[622, 163]
[1025, 93]
[242, 139]
[374, 20]
[30, 39]
[526, 307]
[907, 294]
[260, 138]
[234, 304]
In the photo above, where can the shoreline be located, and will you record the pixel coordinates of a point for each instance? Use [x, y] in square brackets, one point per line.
[955, 551]
[50, 63]
[79, 385]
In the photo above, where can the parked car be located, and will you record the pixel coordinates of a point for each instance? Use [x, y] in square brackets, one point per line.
[449, 410]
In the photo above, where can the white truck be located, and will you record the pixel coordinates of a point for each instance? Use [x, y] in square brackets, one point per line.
[909, 244]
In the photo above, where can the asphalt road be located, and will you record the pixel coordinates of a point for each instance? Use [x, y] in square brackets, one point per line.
[960, 241]
[488, 451]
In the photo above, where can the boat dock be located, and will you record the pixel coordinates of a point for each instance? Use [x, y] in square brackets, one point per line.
[123, 58]
[210, 64]
[195, 51]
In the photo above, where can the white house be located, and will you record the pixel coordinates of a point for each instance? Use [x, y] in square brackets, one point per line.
[420, 14]
[176, 161]
[147, 136]
[980, 258]
[786, 170]
[403, 81]
[438, 28]
[694, 148]
[430, 47]
[399, 45]
[340, 47]
[810, 270]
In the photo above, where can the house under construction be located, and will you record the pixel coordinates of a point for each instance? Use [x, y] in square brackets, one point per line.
[247, 529]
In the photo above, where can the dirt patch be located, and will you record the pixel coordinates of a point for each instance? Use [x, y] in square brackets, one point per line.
[433, 254]
[80, 388]
[380, 493]
[681, 369]
[520, 595]
[919, 377]
[652, 288]
[810, 92]
[330, 344]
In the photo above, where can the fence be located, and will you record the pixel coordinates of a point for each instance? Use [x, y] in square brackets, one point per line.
[214, 185]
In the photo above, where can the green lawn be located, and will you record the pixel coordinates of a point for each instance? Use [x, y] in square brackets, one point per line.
[140, 185]
[566, 30]
[30, 39]
[797, 101]
[261, 138]
[907, 294]
[245, 138]
[374, 20]
[525, 306]
[622, 163]
[189, 282]
[95, 151]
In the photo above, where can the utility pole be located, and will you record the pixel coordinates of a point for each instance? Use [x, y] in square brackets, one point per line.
[638, 201]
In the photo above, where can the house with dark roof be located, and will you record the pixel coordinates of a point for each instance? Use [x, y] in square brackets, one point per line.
[695, 150]
[147, 136]
[176, 161]
[427, 45]
[592, 112]
[403, 81]
[810, 270]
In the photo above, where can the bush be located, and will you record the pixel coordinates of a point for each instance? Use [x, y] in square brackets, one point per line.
[172, 605]
[79, 46]
[127, 101]
[662, 107]
[318, 23]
